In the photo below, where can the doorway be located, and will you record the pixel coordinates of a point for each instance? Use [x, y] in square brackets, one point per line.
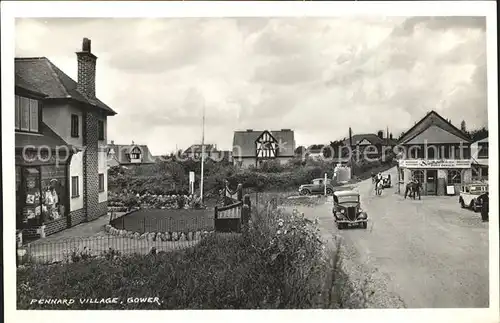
[431, 181]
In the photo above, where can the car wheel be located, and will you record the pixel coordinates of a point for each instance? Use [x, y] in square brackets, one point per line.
[305, 192]
[364, 225]
[340, 226]
[329, 191]
[473, 205]
[462, 204]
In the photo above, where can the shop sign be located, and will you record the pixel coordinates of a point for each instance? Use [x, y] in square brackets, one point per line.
[435, 163]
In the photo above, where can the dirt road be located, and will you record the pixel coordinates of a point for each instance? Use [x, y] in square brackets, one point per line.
[429, 253]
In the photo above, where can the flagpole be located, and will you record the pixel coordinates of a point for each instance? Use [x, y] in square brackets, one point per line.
[202, 152]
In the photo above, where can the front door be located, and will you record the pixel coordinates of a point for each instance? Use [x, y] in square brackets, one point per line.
[431, 182]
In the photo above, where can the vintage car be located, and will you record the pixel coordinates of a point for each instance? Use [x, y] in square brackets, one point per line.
[347, 210]
[386, 181]
[471, 195]
[317, 187]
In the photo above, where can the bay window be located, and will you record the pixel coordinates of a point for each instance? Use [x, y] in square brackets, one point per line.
[27, 114]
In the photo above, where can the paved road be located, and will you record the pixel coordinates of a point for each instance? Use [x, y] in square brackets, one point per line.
[430, 253]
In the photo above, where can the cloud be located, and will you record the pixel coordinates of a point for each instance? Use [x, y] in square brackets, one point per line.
[315, 75]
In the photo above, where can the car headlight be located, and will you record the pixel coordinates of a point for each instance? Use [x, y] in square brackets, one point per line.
[342, 211]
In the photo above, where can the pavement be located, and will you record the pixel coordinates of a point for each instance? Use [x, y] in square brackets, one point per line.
[427, 253]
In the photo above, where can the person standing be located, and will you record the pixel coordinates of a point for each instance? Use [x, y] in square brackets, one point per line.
[485, 208]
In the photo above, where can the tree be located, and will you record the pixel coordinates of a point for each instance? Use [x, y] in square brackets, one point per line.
[478, 134]
[463, 126]
[335, 147]
[300, 150]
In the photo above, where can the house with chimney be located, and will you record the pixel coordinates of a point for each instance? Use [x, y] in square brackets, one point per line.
[128, 155]
[251, 148]
[60, 145]
[370, 145]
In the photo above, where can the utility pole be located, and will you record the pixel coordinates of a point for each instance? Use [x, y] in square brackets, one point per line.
[202, 152]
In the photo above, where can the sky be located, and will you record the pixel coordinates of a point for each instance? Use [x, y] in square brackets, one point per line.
[317, 76]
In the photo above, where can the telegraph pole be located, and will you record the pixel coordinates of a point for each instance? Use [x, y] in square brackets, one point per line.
[202, 152]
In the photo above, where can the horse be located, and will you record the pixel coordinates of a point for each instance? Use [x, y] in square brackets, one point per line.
[413, 188]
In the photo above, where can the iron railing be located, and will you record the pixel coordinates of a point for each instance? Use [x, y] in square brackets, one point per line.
[73, 249]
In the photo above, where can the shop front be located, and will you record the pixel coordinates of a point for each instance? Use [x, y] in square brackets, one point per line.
[438, 177]
[42, 200]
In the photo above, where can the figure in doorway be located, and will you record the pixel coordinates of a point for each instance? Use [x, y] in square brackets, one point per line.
[413, 188]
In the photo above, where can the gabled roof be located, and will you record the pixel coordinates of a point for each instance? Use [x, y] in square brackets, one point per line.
[45, 138]
[121, 153]
[432, 118]
[196, 148]
[41, 75]
[371, 137]
[245, 140]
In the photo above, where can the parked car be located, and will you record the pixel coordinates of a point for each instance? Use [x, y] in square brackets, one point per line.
[472, 196]
[347, 210]
[317, 187]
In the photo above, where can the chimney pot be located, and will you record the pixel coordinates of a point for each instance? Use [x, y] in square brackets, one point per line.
[86, 45]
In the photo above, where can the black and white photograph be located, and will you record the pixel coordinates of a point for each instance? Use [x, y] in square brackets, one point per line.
[285, 156]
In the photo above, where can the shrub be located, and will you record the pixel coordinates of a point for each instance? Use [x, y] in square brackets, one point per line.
[131, 201]
[279, 264]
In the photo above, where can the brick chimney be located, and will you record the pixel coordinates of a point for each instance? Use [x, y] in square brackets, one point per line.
[86, 70]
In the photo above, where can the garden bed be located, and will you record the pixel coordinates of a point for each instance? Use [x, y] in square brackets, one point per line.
[167, 220]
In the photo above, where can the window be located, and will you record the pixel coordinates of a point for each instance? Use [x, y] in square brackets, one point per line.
[26, 114]
[101, 130]
[483, 150]
[460, 152]
[74, 186]
[454, 176]
[101, 182]
[418, 175]
[34, 115]
[484, 171]
[75, 127]
[18, 112]
[445, 152]
[135, 154]
[432, 152]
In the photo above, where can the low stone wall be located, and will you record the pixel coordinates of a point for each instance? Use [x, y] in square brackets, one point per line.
[157, 236]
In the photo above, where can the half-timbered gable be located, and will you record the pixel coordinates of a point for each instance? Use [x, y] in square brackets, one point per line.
[251, 148]
[266, 146]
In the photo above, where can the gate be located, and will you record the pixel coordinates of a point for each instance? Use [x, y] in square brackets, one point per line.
[228, 218]
[234, 212]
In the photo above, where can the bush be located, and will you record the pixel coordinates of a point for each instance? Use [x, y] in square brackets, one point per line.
[279, 263]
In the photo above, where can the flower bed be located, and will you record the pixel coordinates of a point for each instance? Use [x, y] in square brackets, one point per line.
[123, 201]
